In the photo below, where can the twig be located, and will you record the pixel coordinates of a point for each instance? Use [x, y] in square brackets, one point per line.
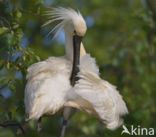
[12, 124]
[5, 21]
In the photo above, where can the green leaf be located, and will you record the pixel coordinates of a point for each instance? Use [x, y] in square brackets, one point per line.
[3, 30]
[18, 14]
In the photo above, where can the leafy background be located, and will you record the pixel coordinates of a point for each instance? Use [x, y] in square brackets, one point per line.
[121, 36]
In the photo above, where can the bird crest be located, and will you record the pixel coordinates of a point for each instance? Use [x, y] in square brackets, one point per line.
[64, 16]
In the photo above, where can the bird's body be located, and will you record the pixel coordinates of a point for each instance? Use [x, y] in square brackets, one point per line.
[49, 88]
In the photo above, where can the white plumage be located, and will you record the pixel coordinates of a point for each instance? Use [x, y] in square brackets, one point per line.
[48, 88]
[97, 96]
[48, 81]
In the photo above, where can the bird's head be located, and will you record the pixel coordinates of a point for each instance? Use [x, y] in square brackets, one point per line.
[72, 23]
[76, 24]
[70, 20]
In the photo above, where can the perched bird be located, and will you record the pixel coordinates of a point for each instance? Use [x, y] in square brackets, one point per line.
[59, 82]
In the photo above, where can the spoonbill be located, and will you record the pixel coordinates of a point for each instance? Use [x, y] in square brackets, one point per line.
[54, 84]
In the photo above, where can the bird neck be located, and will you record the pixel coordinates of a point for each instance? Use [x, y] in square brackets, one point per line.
[82, 50]
[69, 47]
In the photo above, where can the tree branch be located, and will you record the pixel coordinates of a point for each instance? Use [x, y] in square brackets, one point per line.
[12, 124]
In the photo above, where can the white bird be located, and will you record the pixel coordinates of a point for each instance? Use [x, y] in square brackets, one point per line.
[49, 89]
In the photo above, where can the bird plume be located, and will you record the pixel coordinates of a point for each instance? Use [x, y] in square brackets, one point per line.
[63, 16]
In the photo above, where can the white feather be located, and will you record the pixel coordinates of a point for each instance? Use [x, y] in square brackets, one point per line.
[48, 82]
[65, 17]
[102, 96]
[87, 63]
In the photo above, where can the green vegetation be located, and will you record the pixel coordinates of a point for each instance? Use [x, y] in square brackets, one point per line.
[121, 36]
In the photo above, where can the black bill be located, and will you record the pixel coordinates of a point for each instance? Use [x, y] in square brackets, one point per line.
[76, 59]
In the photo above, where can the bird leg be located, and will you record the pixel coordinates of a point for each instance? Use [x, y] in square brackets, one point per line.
[67, 113]
[63, 128]
[39, 124]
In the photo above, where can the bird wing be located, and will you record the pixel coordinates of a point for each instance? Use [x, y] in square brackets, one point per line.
[96, 96]
[103, 96]
[46, 87]
[52, 64]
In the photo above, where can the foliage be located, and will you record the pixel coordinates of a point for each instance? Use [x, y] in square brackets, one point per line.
[120, 36]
